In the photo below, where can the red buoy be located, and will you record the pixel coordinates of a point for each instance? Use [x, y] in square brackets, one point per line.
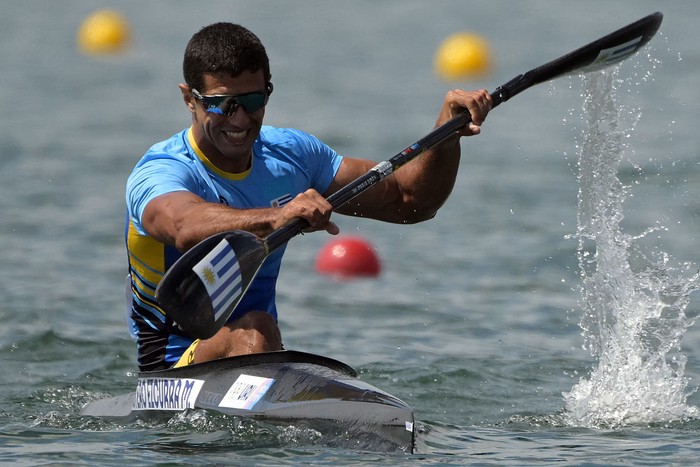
[347, 257]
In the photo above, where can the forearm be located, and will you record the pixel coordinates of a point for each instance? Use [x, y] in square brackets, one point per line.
[210, 218]
[427, 182]
[183, 220]
[417, 190]
[426, 185]
[411, 194]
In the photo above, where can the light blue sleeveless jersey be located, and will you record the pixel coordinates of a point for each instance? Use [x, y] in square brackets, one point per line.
[286, 162]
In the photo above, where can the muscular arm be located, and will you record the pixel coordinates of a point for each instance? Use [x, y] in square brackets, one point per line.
[416, 191]
[412, 194]
[183, 219]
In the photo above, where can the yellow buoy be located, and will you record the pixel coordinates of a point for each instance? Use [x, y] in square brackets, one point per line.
[463, 56]
[103, 32]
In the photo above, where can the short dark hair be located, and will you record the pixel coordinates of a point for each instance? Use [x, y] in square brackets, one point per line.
[223, 47]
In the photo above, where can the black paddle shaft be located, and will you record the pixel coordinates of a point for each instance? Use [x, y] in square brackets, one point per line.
[599, 54]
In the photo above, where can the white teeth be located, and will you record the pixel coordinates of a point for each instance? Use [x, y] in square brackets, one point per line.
[235, 134]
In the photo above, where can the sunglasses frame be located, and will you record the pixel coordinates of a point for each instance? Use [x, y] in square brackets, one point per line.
[228, 104]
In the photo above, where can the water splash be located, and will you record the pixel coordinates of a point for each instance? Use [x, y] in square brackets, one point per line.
[633, 301]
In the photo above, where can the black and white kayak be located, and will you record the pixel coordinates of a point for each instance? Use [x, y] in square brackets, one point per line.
[289, 387]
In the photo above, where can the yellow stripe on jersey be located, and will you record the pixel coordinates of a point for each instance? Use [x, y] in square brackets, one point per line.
[147, 258]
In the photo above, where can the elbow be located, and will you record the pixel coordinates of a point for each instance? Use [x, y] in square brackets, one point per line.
[422, 203]
[417, 217]
[414, 212]
[184, 238]
[182, 245]
[185, 242]
[428, 215]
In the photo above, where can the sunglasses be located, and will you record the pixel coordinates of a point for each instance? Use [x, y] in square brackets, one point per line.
[226, 104]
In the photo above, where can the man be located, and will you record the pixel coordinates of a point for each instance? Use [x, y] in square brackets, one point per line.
[229, 172]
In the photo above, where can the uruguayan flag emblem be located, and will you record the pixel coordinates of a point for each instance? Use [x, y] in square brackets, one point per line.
[281, 201]
[221, 275]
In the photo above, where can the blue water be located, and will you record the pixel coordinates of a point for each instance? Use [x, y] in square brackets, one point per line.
[493, 321]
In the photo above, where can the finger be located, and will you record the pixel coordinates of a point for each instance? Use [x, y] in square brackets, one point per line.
[313, 208]
[481, 104]
[332, 228]
[477, 103]
[318, 212]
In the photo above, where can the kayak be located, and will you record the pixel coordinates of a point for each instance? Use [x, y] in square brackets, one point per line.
[285, 387]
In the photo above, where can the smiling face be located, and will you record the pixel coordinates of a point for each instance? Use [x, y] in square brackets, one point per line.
[226, 140]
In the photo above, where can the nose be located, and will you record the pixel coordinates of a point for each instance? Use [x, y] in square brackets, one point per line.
[239, 117]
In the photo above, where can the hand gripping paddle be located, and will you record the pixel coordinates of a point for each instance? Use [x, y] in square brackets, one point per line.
[201, 290]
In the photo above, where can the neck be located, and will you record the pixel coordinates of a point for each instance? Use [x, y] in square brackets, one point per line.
[215, 160]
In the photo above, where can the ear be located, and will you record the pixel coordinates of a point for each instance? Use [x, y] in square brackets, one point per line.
[187, 97]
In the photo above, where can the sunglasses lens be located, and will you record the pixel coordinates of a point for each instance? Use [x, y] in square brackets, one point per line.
[216, 105]
[252, 102]
[227, 105]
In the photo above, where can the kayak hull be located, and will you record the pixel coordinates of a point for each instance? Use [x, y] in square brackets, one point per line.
[288, 387]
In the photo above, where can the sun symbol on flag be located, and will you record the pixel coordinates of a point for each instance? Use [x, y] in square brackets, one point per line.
[209, 276]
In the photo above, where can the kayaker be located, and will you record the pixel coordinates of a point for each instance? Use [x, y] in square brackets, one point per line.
[229, 172]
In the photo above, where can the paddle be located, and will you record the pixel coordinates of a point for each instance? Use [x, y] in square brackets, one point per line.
[202, 289]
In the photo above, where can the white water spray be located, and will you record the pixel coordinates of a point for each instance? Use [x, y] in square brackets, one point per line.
[633, 301]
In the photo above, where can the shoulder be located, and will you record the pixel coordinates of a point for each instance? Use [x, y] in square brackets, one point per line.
[292, 140]
[170, 160]
[288, 138]
[172, 155]
[304, 152]
[174, 148]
